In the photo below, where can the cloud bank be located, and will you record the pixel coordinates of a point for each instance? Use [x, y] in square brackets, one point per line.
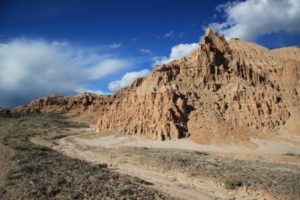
[252, 18]
[177, 52]
[127, 79]
[33, 68]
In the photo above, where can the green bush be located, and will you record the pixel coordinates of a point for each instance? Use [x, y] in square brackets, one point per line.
[232, 183]
[21, 146]
[124, 190]
[9, 178]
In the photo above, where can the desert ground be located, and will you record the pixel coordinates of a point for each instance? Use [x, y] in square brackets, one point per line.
[47, 156]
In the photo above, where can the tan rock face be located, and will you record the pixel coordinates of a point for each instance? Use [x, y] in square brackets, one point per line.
[57, 103]
[86, 106]
[224, 89]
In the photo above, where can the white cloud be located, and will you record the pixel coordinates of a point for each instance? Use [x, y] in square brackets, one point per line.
[106, 67]
[252, 18]
[33, 68]
[82, 90]
[146, 51]
[56, 43]
[115, 45]
[177, 52]
[169, 34]
[172, 34]
[127, 79]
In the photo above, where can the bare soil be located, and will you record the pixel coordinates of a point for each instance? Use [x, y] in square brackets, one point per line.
[38, 172]
[48, 157]
[192, 174]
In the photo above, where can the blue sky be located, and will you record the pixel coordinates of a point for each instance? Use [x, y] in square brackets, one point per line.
[63, 46]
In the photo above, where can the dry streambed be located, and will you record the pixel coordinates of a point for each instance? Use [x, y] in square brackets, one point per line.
[190, 174]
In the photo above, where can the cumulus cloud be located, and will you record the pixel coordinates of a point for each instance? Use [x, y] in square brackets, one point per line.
[177, 52]
[106, 67]
[127, 79]
[33, 68]
[252, 18]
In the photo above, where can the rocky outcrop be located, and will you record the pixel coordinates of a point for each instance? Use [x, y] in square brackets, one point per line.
[223, 90]
[58, 103]
[155, 115]
[4, 111]
[86, 106]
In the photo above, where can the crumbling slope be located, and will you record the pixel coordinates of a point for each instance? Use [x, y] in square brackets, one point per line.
[225, 89]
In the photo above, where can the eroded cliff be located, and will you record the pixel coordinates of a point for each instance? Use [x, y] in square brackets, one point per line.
[224, 88]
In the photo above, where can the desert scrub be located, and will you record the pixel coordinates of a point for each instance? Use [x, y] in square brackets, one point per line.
[9, 178]
[42, 173]
[232, 183]
[124, 190]
[292, 154]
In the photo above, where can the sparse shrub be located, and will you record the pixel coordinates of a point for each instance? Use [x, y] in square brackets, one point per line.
[57, 137]
[21, 146]
[61, 181]
[289, 154]
[124, 190]
[200, 153]
[39, 147]
[141, 181]
[193, 173]
[39, 153]
[232, 183]
[41, 173]
[9, 178]
[40, 188]
[27, 168]
[52, 191]
[292, 154]
[102, 165]
[5, 140]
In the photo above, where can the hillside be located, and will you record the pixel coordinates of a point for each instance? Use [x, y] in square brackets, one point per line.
[224, 92]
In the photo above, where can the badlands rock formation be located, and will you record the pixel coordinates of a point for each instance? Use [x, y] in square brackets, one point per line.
[86, 106]
[223, 90]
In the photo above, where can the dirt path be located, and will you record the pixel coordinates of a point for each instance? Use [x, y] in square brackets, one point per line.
[273, 150]
[175, 184]
[119, 154]
[178, 187]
